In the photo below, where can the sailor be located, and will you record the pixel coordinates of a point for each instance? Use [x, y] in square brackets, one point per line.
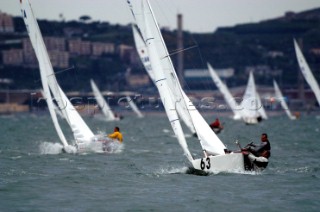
[116, 135]
[216, 124]
[262, 149]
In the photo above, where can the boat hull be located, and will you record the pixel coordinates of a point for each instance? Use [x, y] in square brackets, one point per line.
[220, 163]
[233, 163]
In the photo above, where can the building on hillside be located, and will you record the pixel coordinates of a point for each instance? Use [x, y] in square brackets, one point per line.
[12, 57]
[59, 59]
[100, 48]
[128, 54]
[6, 23]
[201, 79]
[79, 47]
[55, 43]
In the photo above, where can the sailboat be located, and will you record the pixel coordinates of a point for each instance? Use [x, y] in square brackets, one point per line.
[82, 134]
[142, 50]
[306, 71]
[233, 105]
[215, 156]
[279, 97]
[134, 107]
[105, 108]
[252, 109]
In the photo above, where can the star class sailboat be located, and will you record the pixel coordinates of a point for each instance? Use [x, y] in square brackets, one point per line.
[82, 134]
[216, 157]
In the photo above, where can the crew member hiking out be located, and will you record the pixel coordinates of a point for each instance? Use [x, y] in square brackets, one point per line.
[116, 135]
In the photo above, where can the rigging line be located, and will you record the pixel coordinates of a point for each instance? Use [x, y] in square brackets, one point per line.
[55, 73]
[59, 72]
[179, 50]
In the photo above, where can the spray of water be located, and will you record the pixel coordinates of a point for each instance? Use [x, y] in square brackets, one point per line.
[47, 148]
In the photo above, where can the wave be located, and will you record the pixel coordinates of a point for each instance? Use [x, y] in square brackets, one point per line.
[47, 148]
[171, 170]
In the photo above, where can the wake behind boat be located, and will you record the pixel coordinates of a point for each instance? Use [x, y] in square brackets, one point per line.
[216, 156]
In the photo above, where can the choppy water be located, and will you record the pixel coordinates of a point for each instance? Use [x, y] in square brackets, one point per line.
[150, 173]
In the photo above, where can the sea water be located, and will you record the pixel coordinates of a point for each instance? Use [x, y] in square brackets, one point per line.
[151, 172]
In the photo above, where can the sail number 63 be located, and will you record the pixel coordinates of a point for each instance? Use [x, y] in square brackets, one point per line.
[205, 163]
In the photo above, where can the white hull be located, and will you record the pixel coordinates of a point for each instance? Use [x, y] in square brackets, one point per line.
[220, 163]
[251, 120]
[99, 144]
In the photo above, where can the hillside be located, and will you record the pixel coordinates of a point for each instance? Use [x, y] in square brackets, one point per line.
[267, 44]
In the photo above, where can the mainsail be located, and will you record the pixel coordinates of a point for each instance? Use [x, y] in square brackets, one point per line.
[252, 108]
[134, 107]
[281, 99]
[106, 110]
[80, 130]
[159, 55]
[144, 57]
[306, 71]
[225, 92]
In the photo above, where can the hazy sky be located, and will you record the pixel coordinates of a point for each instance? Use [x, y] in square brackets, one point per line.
[199, 15]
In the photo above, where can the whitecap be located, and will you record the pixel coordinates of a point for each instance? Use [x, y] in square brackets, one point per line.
[47, 148]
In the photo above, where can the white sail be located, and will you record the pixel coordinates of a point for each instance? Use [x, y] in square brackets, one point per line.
[144, 57]
[209, 141]
[31, 24]
[56, 109]
[252, 108]
[279, 97]
[134, 107]
[106, 110]
[306, 71]
[225, 92]
[261, 109]
[80, 130]
[164, 89]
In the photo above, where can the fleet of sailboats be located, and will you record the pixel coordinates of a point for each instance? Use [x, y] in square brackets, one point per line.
[156, 59]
